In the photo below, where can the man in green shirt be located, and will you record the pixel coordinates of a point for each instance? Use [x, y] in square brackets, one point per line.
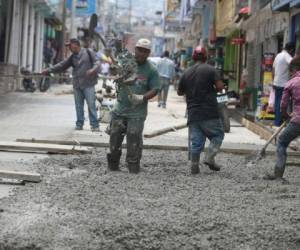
[130, 111]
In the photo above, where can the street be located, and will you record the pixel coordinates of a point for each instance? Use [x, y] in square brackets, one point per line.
[79, 204]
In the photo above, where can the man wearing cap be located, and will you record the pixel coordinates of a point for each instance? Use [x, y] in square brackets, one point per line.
[85, 69]
[130, 111]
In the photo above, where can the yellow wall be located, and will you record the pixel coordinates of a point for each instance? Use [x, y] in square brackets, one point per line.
[225, 12]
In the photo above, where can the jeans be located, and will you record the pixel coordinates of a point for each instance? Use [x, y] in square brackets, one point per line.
[163, 92]
[200, 130]
[133, 129]
[278, 96]
[88, 94]
[291, 132]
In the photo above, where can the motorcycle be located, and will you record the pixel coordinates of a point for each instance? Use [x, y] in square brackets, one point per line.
[30, 84]
[224, 99]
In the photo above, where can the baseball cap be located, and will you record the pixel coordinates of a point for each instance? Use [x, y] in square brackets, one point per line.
[143, 43]
[72, 40]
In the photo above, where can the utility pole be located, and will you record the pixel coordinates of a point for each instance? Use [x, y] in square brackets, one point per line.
[117, 13]
[62, 41]
[73, 15]
[129, 14]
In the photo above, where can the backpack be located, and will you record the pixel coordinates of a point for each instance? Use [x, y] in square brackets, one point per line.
[90, 57]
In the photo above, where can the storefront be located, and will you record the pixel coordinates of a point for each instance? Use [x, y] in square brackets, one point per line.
[295, 29]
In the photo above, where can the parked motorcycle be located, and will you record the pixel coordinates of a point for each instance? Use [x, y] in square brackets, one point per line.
[30, 84]
[224, 99]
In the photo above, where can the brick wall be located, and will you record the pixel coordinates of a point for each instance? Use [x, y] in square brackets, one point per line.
[8, 84]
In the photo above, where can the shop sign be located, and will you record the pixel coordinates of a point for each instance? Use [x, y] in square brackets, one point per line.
[237, 41]
[172, 10]
[83, 7]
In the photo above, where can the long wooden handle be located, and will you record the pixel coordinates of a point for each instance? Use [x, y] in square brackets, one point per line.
[274, 135]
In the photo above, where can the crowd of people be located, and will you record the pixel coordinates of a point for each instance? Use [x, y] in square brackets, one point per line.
[199, 83]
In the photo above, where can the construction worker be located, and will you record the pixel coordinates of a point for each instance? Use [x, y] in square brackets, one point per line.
[85, 70]
[200, 84]
[166, 70]
[292, 131]
[130, 111]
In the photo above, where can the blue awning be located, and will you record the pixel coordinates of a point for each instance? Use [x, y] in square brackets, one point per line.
[280, 5]
[295, 3]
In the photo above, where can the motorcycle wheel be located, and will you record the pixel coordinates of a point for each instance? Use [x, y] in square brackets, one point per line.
[28, 85]
[225, 118]
[44, 84]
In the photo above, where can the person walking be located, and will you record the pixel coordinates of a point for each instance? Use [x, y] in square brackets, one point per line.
[166, 70]
[130, 111]
[292, 131]
[280, 77]
[200, 84]
[85, 70]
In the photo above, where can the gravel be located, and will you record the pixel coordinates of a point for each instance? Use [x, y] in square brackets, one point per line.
[81, 205]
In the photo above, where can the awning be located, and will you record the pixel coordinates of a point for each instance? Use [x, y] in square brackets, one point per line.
[280, 5]
[295, 3]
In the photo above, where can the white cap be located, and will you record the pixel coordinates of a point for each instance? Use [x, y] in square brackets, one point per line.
[143, 43]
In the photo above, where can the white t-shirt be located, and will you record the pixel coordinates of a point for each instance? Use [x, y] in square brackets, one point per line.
[281, 67]
[105, 68]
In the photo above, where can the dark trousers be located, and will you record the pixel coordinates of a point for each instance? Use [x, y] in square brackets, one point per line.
[278, 96]
[133, 129]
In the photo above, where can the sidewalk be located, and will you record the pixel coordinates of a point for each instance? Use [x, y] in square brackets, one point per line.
[51, 115]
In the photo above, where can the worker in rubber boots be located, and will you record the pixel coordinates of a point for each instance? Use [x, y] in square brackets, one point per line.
[292, 131]
[200, 84]
[130, 111]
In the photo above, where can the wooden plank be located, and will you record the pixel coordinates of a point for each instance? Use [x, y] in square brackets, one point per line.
[164, 130]
[257, 129]
[39, 147]
[24, 176]
[65, 142]
[231, 148]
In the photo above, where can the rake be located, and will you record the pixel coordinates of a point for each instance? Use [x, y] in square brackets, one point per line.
[258, 155]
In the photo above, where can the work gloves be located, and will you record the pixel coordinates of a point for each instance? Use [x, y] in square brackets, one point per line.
[137, 99]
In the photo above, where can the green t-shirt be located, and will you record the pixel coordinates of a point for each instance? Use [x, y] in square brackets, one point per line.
[147, 79]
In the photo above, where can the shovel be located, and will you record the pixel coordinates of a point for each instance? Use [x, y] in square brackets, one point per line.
[262, 152]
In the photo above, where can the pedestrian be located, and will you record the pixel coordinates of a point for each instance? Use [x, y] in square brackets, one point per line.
[280, 77]
[200, 84]
[48, 53]
[297, 53]
[292, 131]
[106, 61]
[130, 111]
[166, 70]
[85, 70]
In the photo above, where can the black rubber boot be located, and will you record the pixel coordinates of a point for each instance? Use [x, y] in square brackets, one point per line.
[134, 168]
[195, 164]
[113, 162]
[278, 174]
[210, 159]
